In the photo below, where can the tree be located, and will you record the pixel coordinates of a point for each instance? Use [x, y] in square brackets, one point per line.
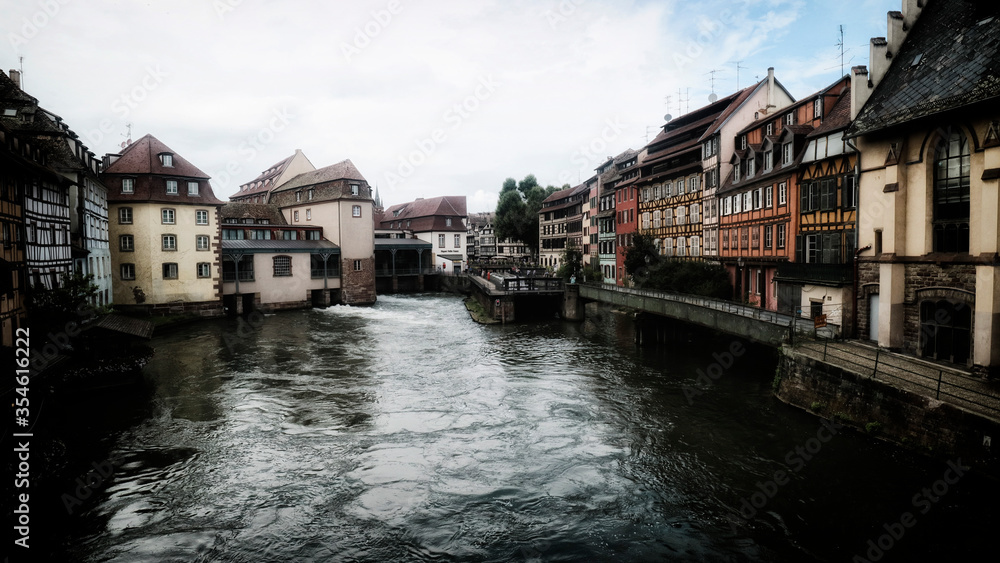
[572, 263]
[639, 255]
[651, 271]
[517, 210]
[52, 309]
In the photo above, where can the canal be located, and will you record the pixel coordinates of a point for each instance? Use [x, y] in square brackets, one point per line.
[406, 432]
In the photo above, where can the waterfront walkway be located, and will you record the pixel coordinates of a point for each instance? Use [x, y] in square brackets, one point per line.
[931, 379]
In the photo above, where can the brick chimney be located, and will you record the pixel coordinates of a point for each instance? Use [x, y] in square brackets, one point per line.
[860, 89]
[15, 77]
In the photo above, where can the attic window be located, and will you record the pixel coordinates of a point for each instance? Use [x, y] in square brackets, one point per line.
[167, 159]
[355, 189]
[916, 60]
[9, 112]
[397, 212]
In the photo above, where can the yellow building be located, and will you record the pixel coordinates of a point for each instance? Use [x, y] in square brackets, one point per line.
[927, 124]
[164, 223]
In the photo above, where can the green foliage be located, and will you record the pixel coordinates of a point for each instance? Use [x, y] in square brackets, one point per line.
[592, 274]
[649, 270]
[517, 210]
[571, 264]
[817, 406]
[873, 427]
[842, 417]
[52, 309]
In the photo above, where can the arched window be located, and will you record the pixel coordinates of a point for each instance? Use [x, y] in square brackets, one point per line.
[951, 193]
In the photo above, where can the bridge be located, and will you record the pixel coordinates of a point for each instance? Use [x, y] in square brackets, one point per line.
[753, 323]
[507, 296]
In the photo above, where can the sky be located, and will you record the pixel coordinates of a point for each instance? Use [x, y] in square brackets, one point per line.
[426, 98]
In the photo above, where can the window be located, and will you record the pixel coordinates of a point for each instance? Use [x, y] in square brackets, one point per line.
[260, 234]
[309, 214]
[768, 160]
[709, 148]
[355, 189]
[356, 211]
[681, 246]
[440, 241]
[310, 194]
[951, 193]
[790, 119]
[736, 171]
[357, 265]
[770, 129]
[681, 212]
[758, 196]
[232, 234]
[725, 239]
[311, 235]
[782, 193]
[167, 216]
[850, 193]
[202, 242]
[244, 268]
[743, 142]
[295, 215]
[126, 243]
[695, 213]
[128, 185]
[282, 266]
[204, 270]
[695, 246]
[170, 270]
[692, 184]
[298, 195]
[289, 235]
[737, 203]
[755, 238]
[668, 247]
[171, 187]
[457, 241]
[786, 153]
[201, 217]
[750, 166]
[124, 215]
[668, 217]
[769, 196]
[169, 242]
[768, 237]
[127, 271]
[818, 107]
[167, 159]
[781, 235]
[821, 248]
[745, 238]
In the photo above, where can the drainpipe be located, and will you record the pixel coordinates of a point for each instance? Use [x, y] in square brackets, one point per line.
[854, 310]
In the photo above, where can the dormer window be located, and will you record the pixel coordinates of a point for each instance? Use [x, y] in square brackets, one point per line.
[818, 107]
[768, 160]
[736, 172]
[128, 185]
[171, 187]
[447, 222]
[9, 112]
[786, 156]
[750, 167]
[192, 188]
[167, 159]
[790, 119]
[743, 142]
[770, 129]
[355, 189]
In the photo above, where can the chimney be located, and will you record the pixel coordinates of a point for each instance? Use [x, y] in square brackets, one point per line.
[878, 59]
[860, 89]
[770, 89]
[911, 11]
[895, 32]
[15, 77]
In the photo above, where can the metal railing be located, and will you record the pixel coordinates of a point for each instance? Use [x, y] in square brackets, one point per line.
[318, 273]
[230, 277]
[928, 379]
[802, 325]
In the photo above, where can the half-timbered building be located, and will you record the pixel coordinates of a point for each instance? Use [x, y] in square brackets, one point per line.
[759, 200]
[560, 224]
[18, 165]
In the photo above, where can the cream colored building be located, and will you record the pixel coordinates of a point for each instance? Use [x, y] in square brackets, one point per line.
[928, 132]
[164, 230]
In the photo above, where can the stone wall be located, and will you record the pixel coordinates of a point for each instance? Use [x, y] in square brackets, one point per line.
[357, 287]
[929, 426]
[922, 276]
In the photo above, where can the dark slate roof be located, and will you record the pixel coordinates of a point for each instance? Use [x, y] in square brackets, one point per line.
[141, 159]
[837, 118]
[344, 170]
[400, 243]
[270, 246]
[958, 44]
[125, 325]
[269, 211]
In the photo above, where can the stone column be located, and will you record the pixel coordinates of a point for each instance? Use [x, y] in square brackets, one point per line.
[892, 288]
[985, 351]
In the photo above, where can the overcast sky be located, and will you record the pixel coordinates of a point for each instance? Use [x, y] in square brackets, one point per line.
[426, 98]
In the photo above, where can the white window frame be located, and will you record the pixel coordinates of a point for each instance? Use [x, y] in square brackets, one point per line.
[355, 211]
[171, 187]
[167, 212]
[202, 242]
[192, 188]
[128, 185]
[198, 215]
[168, 243]
[782, 193]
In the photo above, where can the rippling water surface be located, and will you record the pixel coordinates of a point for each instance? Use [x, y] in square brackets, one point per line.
[405, 431]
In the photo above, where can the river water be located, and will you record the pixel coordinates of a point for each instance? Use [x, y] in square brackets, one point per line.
[406, 432]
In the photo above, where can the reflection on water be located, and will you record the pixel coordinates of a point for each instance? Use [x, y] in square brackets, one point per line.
[406, 432]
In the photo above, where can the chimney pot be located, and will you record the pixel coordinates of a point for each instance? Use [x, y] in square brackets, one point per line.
[15, 76]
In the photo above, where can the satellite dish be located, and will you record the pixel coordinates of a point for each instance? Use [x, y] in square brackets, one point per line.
[667, 117]
[712, 97]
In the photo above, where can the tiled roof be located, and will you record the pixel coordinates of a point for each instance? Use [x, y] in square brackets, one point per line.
[732, 103]
[267, 211]
[950, 59]
[141, 159]
[429, 214]
[344, 170]
[837, 118]
[263, 182]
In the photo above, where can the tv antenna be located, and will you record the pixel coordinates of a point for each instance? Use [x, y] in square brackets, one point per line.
[840, 44]
[712, 97]
[738, 67]
[127, 135]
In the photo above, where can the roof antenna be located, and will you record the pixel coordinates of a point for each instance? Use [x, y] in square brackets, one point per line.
[128, 135]
[841, 45]
[738, 67]
[712, 97]
[20, 61]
